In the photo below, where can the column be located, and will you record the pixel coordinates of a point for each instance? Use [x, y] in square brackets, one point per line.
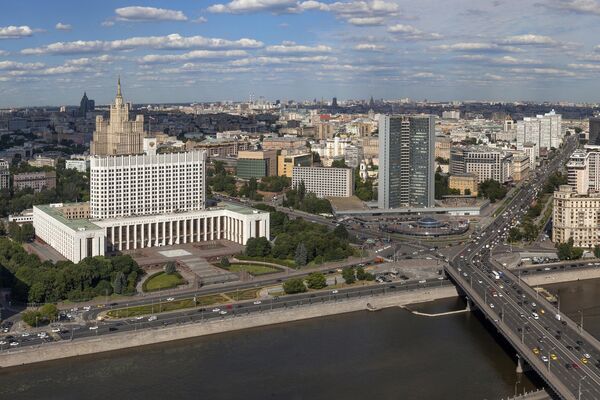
[218, 227]
[185, 230]
[127, 236]
[206, 229]
[198, 232]
[112, 238]
[142, 244]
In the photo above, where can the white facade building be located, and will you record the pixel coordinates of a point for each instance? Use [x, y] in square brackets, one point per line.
[132, 185]
[325, 182]
[543, 130]
[79, 165]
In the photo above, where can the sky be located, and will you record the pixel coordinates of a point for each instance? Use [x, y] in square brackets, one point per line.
[207, 50]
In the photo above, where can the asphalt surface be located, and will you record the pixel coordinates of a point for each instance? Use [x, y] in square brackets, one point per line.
[555, 348]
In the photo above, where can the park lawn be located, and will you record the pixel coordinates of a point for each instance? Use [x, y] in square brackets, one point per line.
[242, 295]
[162, 280]
[253, 269]
[165, 306]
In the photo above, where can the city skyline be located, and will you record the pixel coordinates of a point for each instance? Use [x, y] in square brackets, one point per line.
[290, 49]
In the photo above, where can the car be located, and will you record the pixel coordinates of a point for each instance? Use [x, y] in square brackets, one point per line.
[2, 342]
[422, 281]
[544, 358]
[568, 366]
[138, 318]
[334, 291]
[491, 305]
[222, 312]
[586, 355]
[535, 350]
[441, 278]
[553, 357]
[170, 298]
[93, 328]
[14, 344]
[55, 330]
[257, 302]
[87, 308]
[152, 318]
[25, 334]
[216, 309]
[584, 360]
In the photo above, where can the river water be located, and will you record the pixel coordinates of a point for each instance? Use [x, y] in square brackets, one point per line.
[389, 354]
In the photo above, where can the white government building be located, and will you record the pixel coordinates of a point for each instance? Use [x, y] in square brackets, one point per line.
[144, 200]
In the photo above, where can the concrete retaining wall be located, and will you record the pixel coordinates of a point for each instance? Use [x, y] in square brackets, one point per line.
[122, 340]
[561, 276]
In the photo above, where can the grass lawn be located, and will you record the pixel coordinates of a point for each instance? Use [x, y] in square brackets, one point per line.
[242, 295]
[164, 306]
[161, 281]
[273, 260]
[253, 269]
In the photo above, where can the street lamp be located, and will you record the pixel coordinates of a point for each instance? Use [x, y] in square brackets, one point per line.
[579, 390]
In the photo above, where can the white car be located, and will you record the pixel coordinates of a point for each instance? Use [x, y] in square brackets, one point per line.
[222, 312]
[491, 305]
[586, 355]
[87, 308]
[14, 343]
[93, 328]
[139, 318]
[216, 309]
[170, 298]
[544, 359]
[2, 343]
[25, 334]
[334, 291]
[152, 318]
[55, 330]
[257, 302]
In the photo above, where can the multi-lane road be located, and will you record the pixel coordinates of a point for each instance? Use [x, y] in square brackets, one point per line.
[566, 357]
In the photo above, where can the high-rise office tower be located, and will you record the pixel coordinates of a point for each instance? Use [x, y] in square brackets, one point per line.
[406, 161]
[594, 136]
[119, 135]
[86, 105]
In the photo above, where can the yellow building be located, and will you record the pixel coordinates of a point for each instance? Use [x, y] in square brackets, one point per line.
[287, 162]
[520, 167]
[465, 183]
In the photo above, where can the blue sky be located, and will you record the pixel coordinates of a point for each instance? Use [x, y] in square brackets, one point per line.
[207, 50]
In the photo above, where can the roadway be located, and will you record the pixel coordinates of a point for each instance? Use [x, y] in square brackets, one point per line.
[565, 356]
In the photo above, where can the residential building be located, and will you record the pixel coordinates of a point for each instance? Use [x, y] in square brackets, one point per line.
[286, 161]
[370, 146]
[452, 114]
[119, 135]
[532, 151]
[219, 148]
[40, 161]
[34, 180]
[4, 174]
[543, 130]
[256, 164]
[520, 167]
[442, 146]
[325, 182]
[284, 143]
[576, 216]
[485, 162]
[466, 184]
[594, 131]
[78, 164]
[353, 156]
[406, 161]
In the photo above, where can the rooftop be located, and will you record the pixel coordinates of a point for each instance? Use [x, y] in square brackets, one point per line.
[53, 210]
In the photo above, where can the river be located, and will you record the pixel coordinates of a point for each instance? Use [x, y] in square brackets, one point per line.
[389, 354]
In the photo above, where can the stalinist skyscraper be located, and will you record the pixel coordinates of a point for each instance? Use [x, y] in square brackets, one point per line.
[118, 135]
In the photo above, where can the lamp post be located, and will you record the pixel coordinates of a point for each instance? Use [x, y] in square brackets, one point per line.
[579, 389]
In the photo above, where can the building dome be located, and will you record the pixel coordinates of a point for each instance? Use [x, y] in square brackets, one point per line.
[428, 222]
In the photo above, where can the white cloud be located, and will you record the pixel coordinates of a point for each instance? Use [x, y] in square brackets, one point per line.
[15, 32]
[252, 6]
[63, 27]
[3, 53]
[574, 6]
[17, 66]
[589, 67]
[369, 47]
[545, 72]
[412, 33]
[171, 42]
[282, 60]
[366, 21]
[504, 60]
[200, 20]
[530, 39]
[136, 13]
[293, 48]
[476, 47]
[192, 55]
[108, 23]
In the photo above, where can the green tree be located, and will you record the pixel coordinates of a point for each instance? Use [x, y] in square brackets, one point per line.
[597, 251]
[49, 312]
[341, 232]
[514, 235]
[339, 163]
[301, 255]
[27, 233]
[170, 268]
[118, 282]
[294, 285]
[361, 275]
[258, 247]
[225, 262]
[316, 280]
[32, 318]
[348, 275]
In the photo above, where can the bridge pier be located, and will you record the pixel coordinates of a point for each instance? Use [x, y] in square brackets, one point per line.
[522, 366]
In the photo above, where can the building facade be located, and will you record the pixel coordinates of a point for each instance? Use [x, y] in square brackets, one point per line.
[466, 184]
[4, 174]
[325, 182]
[119, 135]
[406, 161]
[256, 164]
[37, 181]
[486, 163]
[576, 216]
[543, 130]
[287, 161]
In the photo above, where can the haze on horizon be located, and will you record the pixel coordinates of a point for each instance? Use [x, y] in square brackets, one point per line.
[186, 51]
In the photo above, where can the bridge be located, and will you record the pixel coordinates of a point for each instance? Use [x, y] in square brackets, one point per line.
[565, 356]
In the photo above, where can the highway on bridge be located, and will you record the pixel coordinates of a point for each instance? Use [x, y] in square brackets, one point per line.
[564, 355]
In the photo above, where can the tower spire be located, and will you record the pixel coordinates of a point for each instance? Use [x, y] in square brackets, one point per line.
[119, 87]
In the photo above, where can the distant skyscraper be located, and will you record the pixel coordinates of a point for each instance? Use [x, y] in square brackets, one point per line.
[594, 137]
[406, 161]
[334, 102]
[371, 102]
[119, 135]
[543, 130]
[86, 105]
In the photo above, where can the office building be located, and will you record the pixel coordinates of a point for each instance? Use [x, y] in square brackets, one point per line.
[442, 146]
[594, 131]
[40, 161]
[519, 169]
[325, 182]
[256, 164]
[577, 216]
[544, 130]
[452, 114]
[4, 174]
[532, 151]
[578, 171]
[37, 181]
[86, 105]
[486, 163]
[353, 155]
[466, 184]
[78, 165]
[406, 161]
[119, 135]
[287, 160]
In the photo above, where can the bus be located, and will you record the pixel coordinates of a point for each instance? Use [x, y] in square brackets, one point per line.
[496, 275]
